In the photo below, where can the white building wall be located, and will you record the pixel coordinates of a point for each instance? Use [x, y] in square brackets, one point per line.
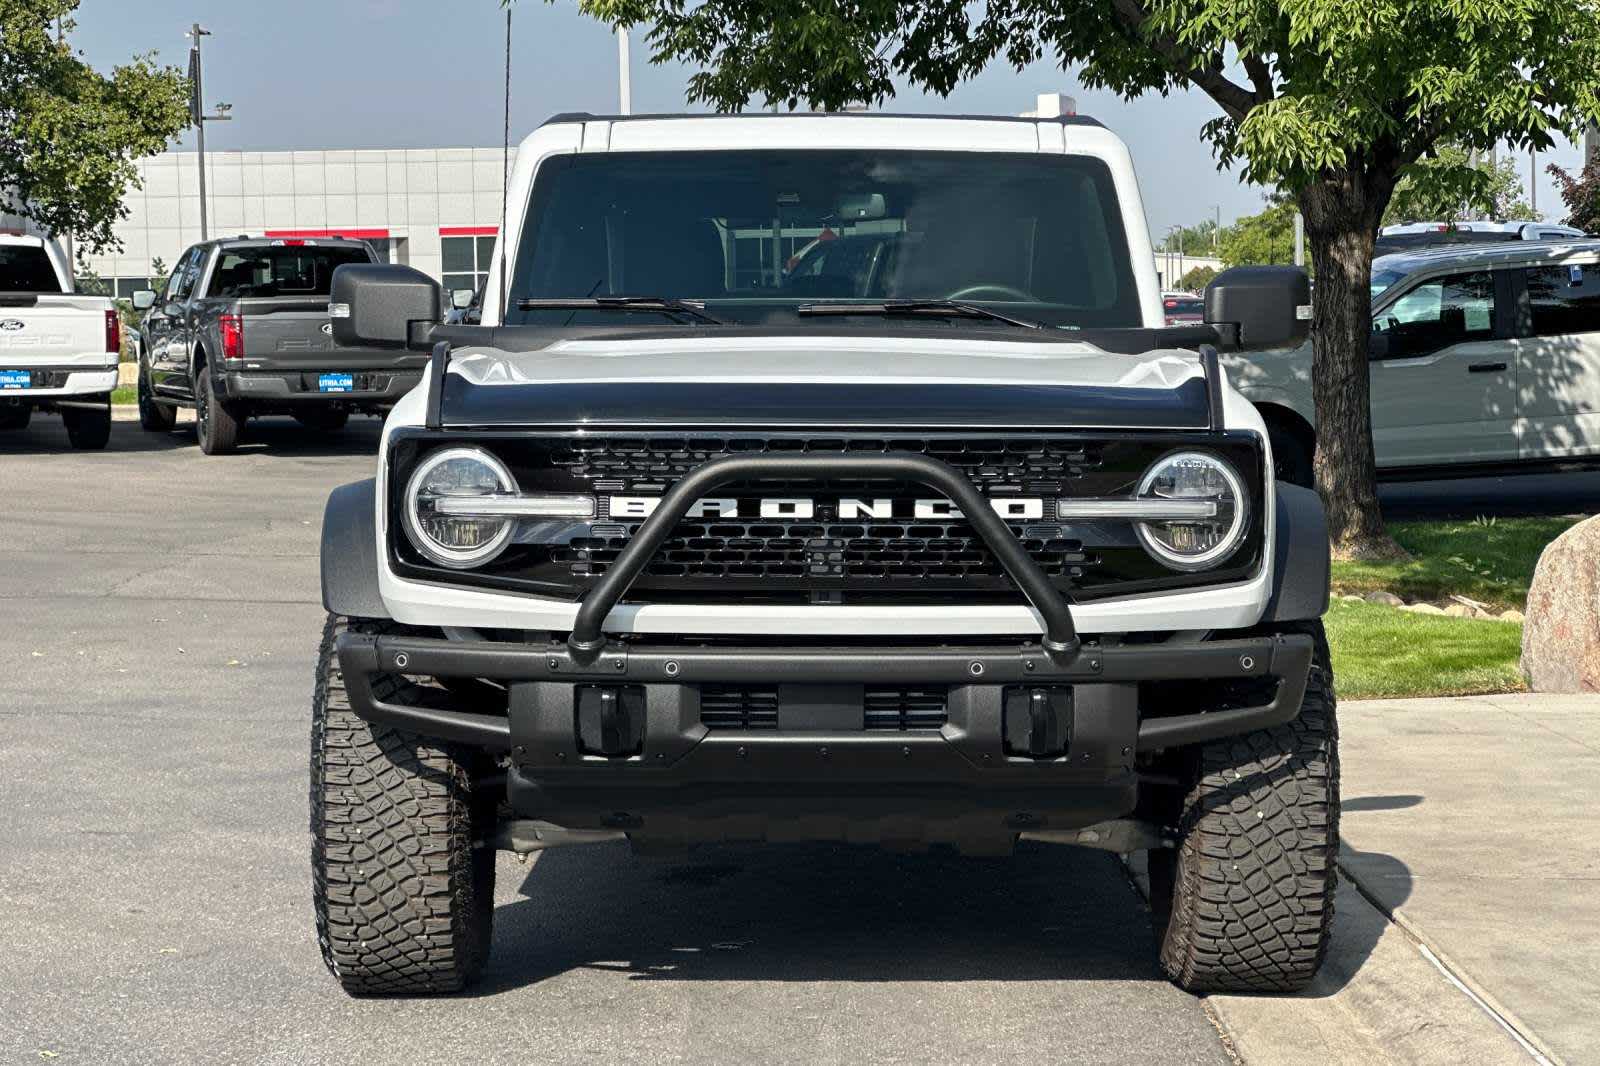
[410, 197]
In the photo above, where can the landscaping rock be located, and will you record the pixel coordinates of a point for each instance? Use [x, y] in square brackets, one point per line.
[1512, 615]
[1561, 636]
[1459, 610]
[1388, 599]
[1422, 608]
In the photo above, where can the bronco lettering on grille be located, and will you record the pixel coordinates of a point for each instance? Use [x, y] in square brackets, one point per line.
[846, 509]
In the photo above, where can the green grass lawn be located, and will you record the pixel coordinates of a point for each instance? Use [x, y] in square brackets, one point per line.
[125, 394]
[1383, 652]
[1490, 560]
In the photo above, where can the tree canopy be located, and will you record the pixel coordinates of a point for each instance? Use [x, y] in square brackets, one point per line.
[69, 135]
[1581, 193]
[1448, 187]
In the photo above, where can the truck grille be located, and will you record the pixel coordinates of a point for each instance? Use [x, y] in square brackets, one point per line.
[885, 708]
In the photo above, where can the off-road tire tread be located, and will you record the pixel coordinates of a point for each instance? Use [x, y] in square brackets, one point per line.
[404, 903]
[219, 430]
[1253, 896]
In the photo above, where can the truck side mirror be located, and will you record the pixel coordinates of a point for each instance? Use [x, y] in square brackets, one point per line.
[1261, 307]
[143, 299]
[461, 299]
[381, 305]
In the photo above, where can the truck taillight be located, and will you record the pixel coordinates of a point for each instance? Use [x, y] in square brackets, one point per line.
[113, 332]
[232, 329]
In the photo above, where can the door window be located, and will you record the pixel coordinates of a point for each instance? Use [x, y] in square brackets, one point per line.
[1564, 299]
[184, 276]
[1439, 313]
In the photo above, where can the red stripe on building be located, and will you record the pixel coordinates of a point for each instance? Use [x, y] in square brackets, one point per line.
[356, 233]
[468, 231]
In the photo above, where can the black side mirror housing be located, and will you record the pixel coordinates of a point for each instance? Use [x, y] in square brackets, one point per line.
[381, 305]
[1262, 307]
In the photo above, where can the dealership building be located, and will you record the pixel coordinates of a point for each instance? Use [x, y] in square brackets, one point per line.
[436, 209]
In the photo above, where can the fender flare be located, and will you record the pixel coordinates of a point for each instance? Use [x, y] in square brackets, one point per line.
[350, 552]
[1300, 557]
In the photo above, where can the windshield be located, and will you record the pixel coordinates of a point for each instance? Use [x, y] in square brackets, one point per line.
[289, 270]
[25, 268]
[1383, 279]
[758, 234]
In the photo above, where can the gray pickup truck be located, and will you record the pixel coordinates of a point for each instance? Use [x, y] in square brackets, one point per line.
[241, 329]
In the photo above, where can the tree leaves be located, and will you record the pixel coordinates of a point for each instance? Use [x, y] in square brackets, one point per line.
[69, 135]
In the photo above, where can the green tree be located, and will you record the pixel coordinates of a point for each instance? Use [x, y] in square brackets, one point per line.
[1581, 194]
[1267, 237]
[1446, 187]
[1190, 240]
[69, 135]
[1332, 101]
[1196, 279]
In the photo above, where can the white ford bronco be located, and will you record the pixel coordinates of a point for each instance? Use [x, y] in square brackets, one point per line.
[823, 477]
[58, 348]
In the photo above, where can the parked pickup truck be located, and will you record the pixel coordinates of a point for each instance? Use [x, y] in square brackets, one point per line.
[241, 329]
[960, 548]
[58, 348]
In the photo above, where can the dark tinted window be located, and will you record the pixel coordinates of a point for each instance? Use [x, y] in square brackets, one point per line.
[286, 270]
[26, 268]
[1564, 299]
[1041, 235]
[1438, 313]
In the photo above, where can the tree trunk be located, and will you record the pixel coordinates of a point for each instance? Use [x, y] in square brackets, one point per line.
[1341, 216]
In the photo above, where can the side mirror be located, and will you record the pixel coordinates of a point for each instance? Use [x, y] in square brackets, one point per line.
[1378, 346]
[461, 299]
[380, 305]
[1262, 307]
[143, 299]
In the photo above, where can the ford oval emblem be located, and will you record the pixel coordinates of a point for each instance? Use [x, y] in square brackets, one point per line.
[11, 325]
[327, 327]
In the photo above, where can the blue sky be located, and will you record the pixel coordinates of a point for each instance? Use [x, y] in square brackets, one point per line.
[427, 73]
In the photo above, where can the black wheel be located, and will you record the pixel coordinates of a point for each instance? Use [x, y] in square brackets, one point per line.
[15, 416]
[216, 425]
[1291, 455]
[1245, 901]
[88, 428]
[404, 901]
[155, 417]
[327, 419]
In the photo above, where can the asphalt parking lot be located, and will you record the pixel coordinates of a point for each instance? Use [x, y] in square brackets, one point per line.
[162, 615]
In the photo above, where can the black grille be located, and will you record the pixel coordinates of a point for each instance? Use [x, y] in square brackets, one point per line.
[887, 708]
[906, 708]
[738, 707]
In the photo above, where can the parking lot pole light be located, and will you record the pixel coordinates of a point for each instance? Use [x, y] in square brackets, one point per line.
[624, 90]
[198, 115]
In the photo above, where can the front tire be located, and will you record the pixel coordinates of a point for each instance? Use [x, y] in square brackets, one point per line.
[404, 901]
[153, 417]
[1246, 898]
[88, 430]
[216, 425]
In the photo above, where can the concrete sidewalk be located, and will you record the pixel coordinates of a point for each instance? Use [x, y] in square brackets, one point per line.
[1473, 823]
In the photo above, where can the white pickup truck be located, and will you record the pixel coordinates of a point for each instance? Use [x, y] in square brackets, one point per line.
[58, 348]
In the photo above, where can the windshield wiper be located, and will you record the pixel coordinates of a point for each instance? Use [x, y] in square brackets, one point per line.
[936, 308]
[660, 304]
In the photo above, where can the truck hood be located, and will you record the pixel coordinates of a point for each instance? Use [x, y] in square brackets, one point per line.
[828, 381]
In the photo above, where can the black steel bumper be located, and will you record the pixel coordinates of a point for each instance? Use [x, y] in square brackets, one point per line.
[372, 387]
[685, 774]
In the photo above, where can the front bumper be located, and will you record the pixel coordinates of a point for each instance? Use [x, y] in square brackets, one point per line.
[688, 781]
[56, 382]
[372, 387]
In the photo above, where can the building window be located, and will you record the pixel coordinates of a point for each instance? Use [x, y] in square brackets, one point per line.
[466, 261]
[126, 287]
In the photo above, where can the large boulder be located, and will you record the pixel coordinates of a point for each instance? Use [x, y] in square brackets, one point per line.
[1561, 636]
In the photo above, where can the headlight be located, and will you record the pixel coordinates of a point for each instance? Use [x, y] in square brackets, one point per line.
[452, 540]
[1212, 533]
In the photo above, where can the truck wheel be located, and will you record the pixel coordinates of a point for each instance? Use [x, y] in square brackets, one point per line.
[1246, 898]
[88, 429]
[155, 417]
[404, 901]
[216, 426]
[15, 416]
[326, 419]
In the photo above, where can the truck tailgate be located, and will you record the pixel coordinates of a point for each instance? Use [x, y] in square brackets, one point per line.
[51, 330]
[290, 333]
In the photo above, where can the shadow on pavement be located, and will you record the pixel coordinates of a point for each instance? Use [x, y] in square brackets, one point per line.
[1362, 804]
[818, 912]
[270, 437]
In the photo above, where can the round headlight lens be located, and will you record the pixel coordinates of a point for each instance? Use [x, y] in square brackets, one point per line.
[457, 541]
[1199, 542]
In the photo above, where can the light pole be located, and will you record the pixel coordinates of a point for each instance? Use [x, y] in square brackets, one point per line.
[198, 115]
[624, 90]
